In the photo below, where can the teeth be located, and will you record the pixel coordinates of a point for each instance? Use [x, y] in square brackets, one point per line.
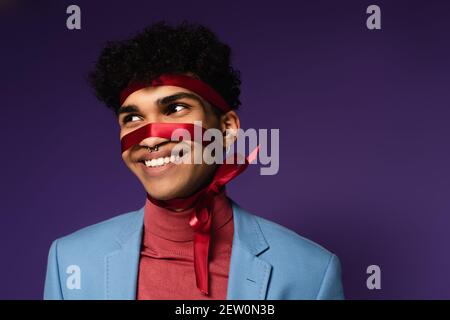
[159, 161]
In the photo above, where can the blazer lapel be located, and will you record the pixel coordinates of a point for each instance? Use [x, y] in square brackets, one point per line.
[249, 275]
[122, 265]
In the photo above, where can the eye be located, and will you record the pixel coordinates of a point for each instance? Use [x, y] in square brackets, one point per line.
[130, 117]
[176, 107]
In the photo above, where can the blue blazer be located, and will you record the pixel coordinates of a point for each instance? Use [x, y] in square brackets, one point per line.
[268, 261]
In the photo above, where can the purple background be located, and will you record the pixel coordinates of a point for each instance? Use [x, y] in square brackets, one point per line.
[363, 118]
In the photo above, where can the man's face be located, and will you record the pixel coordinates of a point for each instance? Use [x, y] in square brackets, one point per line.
[166, 104]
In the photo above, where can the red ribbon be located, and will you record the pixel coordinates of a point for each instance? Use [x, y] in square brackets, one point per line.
[179, 80]
[161, 130]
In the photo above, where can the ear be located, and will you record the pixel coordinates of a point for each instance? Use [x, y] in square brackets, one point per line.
[230, 124]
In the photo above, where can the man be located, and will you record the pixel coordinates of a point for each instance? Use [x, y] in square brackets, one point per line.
[189, 240]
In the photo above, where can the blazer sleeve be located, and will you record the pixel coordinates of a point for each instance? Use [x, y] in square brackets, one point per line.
[52, 288]
[331, 288]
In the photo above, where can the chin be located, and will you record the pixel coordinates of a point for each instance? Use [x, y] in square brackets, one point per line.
[161, 193]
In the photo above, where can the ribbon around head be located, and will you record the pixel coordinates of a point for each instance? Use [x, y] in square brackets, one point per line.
[179, 80]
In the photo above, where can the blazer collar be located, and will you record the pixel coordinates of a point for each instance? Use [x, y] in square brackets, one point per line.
[248, 274]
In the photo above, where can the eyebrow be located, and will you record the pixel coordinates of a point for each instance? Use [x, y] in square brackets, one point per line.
[163, 102]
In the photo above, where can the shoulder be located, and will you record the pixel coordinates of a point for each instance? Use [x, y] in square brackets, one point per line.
[301, 268]
[84, 252]
[278, 239]
[281, 237]
[102, 235]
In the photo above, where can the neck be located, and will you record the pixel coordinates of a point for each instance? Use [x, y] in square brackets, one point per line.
[175, 224]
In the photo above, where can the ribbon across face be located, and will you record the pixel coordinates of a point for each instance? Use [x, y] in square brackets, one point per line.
[161, 130]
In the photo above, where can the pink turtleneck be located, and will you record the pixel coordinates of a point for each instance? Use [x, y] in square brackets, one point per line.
[166, 267]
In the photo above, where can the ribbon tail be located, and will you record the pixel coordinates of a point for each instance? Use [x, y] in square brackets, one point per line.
[252, 156]
[201, 252]
[227, 171]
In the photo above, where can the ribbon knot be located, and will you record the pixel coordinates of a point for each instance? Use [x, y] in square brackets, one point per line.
[201, 216]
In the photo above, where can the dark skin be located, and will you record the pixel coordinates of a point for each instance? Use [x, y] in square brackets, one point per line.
[176, 105]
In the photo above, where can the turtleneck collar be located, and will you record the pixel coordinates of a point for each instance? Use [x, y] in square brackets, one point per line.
[174, 225]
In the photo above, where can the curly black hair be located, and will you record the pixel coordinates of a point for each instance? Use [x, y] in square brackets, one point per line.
[187, 48]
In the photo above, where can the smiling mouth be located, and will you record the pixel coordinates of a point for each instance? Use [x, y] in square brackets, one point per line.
[164, 161]
[161, 161]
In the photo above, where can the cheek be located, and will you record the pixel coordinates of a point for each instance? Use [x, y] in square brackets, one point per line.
[126, 157]
[211, 121]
